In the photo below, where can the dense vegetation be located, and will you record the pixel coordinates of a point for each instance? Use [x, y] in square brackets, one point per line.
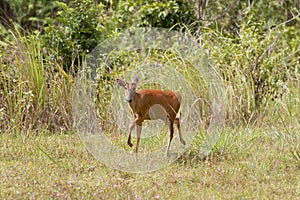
[253, 45]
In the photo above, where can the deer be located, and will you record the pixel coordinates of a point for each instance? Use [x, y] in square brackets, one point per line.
[150, 104]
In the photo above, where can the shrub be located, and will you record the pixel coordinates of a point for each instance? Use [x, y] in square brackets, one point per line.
[255, 64]
[75, 31]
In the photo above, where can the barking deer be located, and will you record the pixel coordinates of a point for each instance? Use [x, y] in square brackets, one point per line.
[151, 105]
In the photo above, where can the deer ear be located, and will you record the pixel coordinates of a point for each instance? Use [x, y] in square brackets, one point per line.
[136, 79]
[120, 82]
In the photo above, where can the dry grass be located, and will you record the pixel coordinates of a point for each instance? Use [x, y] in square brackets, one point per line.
[252, 163]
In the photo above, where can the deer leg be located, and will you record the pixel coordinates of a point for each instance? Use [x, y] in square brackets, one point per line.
[138, 136]
[171, 136]
[177, 121]
[130, 130]
[138, 133]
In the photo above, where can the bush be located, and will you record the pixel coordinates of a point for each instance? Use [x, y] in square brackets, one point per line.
[164, 14]
[75, 31]
[256, 65]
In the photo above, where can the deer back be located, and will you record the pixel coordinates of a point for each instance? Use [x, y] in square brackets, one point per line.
[153, 102]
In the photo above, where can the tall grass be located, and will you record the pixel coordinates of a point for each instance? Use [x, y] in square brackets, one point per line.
[35, 92]
[259, 73]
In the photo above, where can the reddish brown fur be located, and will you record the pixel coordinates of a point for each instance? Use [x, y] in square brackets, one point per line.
[150, 105]
[142, 100]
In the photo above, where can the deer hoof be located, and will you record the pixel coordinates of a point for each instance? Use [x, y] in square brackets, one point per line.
[183, 142]
[130, 144]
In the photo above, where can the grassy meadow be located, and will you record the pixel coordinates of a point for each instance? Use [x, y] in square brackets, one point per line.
[252, 163]
[256, 157]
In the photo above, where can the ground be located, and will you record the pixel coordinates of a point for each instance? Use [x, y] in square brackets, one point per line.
[246, 164]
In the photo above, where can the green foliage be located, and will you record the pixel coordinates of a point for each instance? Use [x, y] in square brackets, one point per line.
[29, 15]
[75, 31]
[275, 12]
[166, 13]
[256, 64]
[227, 15]
[152, 13]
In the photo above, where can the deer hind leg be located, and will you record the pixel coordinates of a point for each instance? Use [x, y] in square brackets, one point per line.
[177, 122]
[171, 136]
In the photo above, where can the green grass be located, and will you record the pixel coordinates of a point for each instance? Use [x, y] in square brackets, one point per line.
[251, 163]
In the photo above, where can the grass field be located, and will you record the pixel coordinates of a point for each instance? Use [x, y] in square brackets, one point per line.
[257, 155]
[250, 163]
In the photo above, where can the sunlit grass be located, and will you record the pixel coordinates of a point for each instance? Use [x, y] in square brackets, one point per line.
[250, 163]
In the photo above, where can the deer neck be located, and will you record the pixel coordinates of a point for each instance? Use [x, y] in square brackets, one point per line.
[134, 101]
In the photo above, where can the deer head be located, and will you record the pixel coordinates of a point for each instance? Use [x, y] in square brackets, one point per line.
[129, 87]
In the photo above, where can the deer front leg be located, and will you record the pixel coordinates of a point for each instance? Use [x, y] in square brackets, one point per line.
[130, 130]
[138, 136]
[139, 123]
